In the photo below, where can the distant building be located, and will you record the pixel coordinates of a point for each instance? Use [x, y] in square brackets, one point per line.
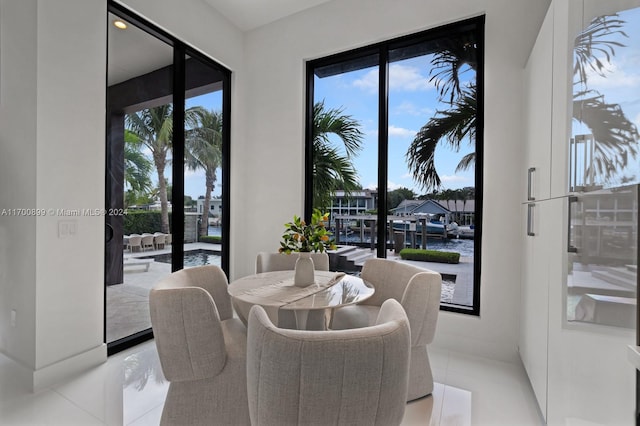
[215, 207]
[354, 203]
[461, 212]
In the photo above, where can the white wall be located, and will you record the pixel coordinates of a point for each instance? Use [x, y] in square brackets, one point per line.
[268, 184]
[17, 177]
[52, 131]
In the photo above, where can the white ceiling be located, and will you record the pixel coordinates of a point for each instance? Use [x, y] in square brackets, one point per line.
[133, 52]
[250, 14]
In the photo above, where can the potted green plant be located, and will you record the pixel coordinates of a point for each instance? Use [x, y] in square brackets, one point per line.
[304, 238]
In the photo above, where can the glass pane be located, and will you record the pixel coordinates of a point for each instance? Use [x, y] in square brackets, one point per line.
[203, 165]
[606, 97]
[139, 147]
[431, 157]
[345, 151]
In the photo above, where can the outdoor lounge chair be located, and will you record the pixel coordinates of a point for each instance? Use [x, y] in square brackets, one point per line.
[135, 243]
[159, 240]
[147, 242]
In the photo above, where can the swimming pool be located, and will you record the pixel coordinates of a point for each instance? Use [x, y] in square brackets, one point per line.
[192, 257]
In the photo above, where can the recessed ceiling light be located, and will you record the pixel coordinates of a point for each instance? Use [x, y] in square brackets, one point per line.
[120, 24]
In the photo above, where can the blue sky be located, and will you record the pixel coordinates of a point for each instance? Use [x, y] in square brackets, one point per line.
[412, 101]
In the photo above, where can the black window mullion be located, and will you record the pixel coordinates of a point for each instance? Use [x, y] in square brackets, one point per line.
[308, 154]
[177, 190]
[226, 166]
[383, 135]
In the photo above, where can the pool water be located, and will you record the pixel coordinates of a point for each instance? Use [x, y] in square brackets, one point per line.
[193, 258]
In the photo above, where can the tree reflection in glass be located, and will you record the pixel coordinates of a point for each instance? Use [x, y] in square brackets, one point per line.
[603, 55]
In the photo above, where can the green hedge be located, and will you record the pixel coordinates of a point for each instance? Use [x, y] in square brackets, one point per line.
[212, 239]
[141, 221]
[430, 255]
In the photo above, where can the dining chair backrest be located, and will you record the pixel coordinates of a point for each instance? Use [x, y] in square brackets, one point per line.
[268, 262]
[202, 348]
[346, 377]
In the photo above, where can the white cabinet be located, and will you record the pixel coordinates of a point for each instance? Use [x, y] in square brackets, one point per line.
[538, 89]
[533, 344]
[578, 368]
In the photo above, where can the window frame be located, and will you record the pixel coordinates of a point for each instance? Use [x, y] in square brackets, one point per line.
[381, 49]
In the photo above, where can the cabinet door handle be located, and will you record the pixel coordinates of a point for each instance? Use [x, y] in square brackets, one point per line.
[571, 249]
[530, 196]
[530, 208]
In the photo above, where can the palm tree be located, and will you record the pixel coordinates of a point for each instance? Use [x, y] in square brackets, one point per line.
[137, 167]
[154, 129]
[332, 167]
[204, 151]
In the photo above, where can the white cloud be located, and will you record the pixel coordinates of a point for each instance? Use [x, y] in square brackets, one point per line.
[401, 78]
[371, 186]
[369, 82]
[409, 108]
[615, 77]
[391, 186]
[401, 132]
[198, 173]
[452, 178]
[407, 78]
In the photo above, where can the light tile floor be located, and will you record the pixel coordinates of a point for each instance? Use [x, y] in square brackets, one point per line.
[129, 389]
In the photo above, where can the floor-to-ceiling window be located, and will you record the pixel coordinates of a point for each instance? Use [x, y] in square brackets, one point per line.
[394, 151]
[167, 168]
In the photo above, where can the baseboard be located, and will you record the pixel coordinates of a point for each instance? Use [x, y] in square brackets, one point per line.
[51, 374]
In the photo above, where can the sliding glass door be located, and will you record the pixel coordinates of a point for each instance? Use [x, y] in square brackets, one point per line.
[167, 163]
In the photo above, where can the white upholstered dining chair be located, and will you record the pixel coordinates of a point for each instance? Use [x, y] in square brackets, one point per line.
[349, 377]
[418, 290]
[268, 262]
[202, 348]
[271, 262]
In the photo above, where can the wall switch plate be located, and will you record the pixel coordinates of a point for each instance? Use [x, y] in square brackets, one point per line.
[67, 228]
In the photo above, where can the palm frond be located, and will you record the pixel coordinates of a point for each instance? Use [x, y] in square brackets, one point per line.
[452, 126]
[595, 45]
[334, 121]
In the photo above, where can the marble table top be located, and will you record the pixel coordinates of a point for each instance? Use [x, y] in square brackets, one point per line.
[276, 289]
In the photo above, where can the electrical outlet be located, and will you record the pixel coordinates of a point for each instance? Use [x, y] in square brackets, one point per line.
[13, 318]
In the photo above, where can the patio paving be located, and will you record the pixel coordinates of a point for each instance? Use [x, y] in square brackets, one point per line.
[128, 303]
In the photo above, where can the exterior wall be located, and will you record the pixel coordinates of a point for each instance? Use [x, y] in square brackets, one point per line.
[274, 115]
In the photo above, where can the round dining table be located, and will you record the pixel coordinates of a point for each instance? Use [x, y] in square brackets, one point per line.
[294, 307]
